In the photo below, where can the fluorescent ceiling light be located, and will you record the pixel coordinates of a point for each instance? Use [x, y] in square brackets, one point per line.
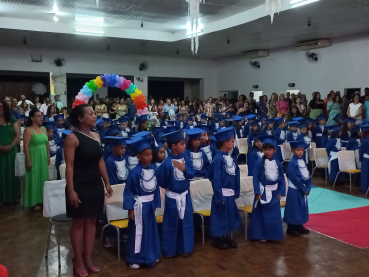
[89, 32]
[55, 8]
[193, 32]
[55, 18]
[89, 19]
[299, 3]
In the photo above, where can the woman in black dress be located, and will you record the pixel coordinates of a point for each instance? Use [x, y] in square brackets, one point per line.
[85, 190]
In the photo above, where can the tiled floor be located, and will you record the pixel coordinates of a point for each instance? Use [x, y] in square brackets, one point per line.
[23, 237]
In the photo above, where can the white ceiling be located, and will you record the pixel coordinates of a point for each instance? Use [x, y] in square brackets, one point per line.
[330, 19]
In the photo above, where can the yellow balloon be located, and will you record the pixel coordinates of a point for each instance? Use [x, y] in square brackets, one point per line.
[133, 96]
[98, 82]
[138, 92]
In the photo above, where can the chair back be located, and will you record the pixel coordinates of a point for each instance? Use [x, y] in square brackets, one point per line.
[160, 211]
[243, 145]
[62, 169]
[286, 151]
[54, 198]
[321, 157]
[346, 160]
[52, 169]
[21, 147]
[343, 148]
[310, 150]
[114, 204]
[357, 158]
[201, 193]
[244, 170]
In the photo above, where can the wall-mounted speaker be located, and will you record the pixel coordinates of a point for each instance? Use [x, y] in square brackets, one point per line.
[291, 85]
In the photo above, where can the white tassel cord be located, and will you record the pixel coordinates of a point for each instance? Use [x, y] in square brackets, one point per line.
[194, 16]
[272, 6]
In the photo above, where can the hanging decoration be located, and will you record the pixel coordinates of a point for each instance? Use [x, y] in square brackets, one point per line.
[97, 3]
[194, 17]
[272, 6]
[112, 80]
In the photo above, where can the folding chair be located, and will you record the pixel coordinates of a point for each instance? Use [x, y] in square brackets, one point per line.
[62, 169]
[343, 149]
[311, 154]
[201, 194]
[244, 170]
[243, 147]
[244, 203]
[357, 159]
[286, 152]
[347, 164]
[321, 161]
[54, 207]
[52, 169]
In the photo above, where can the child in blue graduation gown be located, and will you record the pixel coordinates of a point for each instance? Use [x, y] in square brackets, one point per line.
[54, 139]
[59, 120]
[180, 121]
[209, 149]
[141, 197]
[303, 136]
[254, 131]
[59, 157]
[124, 121]
[333, 147]
[196, 154]
[267, 128]
[158, 154]
[174, 175]
[296, 212]
[116, 164]
[354, 141]
[237, 124]
[225, 179]
[114, 131]
[280, 135]
[203, 120]
[292, 131]
[269, 187]
[319, 135]
[346, 130]
[246, 128]
[189, 124]
[364, 158]
[164, 119]
[105, 124]
[255, 154]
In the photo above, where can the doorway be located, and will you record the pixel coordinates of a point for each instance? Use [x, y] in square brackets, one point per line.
[231, 94]
[349, 92]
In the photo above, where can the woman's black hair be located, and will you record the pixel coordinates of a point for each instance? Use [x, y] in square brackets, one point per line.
[344, 130]
[76, 113]
[31, 114]
[7, 114]
[49, 109]
[335, 134]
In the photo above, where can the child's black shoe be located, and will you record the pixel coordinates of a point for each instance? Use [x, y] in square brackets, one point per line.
[220, 243]
[292, 230]
[303, 230]
[230, 242]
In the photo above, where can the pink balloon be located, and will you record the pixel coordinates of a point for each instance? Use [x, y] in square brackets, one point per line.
[144, 111]
[125, 85]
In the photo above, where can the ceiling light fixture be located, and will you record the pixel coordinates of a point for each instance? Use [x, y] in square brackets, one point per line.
[194, 23]
[299, 3]
[55, 18]
[272, 6]
[89, 19]
[142, 24]
[89, 32]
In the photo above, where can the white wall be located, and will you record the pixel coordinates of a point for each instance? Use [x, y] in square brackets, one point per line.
[343, 65]
[19, 59]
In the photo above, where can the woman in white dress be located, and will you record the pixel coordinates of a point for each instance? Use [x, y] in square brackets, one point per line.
[356, 110]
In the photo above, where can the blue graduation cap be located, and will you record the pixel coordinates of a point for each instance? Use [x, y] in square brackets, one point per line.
[124, 119]
[292, 123]
[155, 148]
[224, 134]
[250, 116]
[335, 128]
[165, 113]
[337, 117]
[298, 119]
[213, 138]
[103, 119]
[279, 120]
[229, 113]
[171, 129]
[59, 116]
[67, 124]
[142, 134]
[139, 145]
[190, 119]
[216, 114]
[115, 122]
[365, 128]
[154, 130]
[203, 115]
[269, 121]
[308, 120]
[205, 128]
[117, 141]
[302, 125]
[174, 137]
[113, 131]
[46, 117]
[237, 118]
[159, 136]
[98, 121]
[194, 133]
[320, 117]
[141, 118]
[355, 129]
[297, 144]
[255, 123]
[268, 139]
[65, 133]
[348, 119]
[49, 125]
[170, 123]
[179, 115]
[222, 118]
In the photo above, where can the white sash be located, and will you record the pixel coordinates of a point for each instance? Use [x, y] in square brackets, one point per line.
[268, 193]
[180, 201]
[366, 156]
[334, 155]
[138, 218]
[319, 134]
[291, 185]
[227, 192]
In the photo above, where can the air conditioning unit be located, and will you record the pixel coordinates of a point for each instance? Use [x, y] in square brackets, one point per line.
[255, 54]
[313, 44]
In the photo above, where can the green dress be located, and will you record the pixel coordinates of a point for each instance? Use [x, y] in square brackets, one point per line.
[39, 173]
[334, 110]
[8, 181]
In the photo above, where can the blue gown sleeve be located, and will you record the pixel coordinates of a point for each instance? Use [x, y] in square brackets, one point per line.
[128, 194]
[163, 174]
[206, 164]
[238, 183]
[58, 159]
[293, 173]
[190, 169]
[256, 176]
[281, 181]
[110, 168]
[289, 137]
[216, 182]
[157, 199]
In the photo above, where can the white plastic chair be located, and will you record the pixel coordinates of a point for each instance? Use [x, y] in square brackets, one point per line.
[62, 169]
[286, 152]
[357, 158]
[343, 148]
[311, 154]
[117, 217]
[321, 161]
[347, 164]
[244, 170]
[243, 147]
[201, 194]
[52, 169]
[54, 207]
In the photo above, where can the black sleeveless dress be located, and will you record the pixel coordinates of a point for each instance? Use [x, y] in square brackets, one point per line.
[87, 179]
